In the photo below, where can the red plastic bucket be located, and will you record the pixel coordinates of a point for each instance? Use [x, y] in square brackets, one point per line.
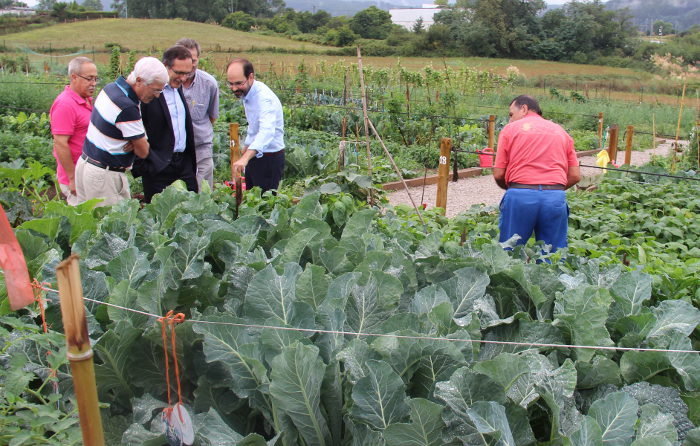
[486, 157]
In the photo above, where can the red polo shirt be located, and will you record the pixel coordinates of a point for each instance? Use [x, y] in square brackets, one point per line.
[70, 115]
[534, 150]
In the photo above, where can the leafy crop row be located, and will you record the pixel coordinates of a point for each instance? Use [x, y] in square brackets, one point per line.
[388, 329]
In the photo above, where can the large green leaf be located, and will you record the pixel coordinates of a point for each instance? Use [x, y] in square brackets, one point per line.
[379, 399]
[518, 375]
[583, 312]
[359, 223]
[425, 428]
[630, 291]
[371, 300]
[687, 365]
[467, 285]
[588, 434]
[465, 387]
[616, 414]
[295, 246]
[236, 349]
[312, 285]
[599, 371]
[654, 423]
[490, 420]
[428, 298]
[556, 388]
[211, 430]
[674, 315]
[295, 386]
[641, 366]
[118, 363]
[271, 296]
[420, 362]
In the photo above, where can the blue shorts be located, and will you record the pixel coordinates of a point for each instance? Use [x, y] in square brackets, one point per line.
[544, 212]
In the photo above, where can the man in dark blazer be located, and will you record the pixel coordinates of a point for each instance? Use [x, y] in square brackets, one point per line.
[169, 130]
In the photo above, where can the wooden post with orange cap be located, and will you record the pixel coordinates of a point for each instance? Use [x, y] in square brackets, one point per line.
[79, 351]
[443, 173]
[492, 131]
[612, 144]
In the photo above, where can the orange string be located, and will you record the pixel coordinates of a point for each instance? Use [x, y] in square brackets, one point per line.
[38, 296]
[171, 318]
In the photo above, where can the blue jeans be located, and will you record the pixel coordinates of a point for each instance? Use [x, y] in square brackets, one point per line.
[544, 212]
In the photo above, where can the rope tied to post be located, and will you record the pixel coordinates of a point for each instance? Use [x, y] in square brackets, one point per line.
[170, 320]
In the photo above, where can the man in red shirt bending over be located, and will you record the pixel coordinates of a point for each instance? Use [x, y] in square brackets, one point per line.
[535, 163]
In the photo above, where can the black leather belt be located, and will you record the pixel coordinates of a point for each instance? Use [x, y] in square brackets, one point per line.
[536, 186]
[271, 154]
[101, 165]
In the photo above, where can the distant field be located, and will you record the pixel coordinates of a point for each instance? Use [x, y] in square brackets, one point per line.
[53, 46]
[145, 35]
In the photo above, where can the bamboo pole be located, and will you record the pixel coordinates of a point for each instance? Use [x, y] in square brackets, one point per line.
[396, 169]
[678, 128]
[629, 134]
[366, 118]
[600, 130]
[443, 173]
[79, 352]
[612, 144]
[492, 131]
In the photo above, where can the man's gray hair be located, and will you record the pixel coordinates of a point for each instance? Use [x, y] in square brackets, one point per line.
[149, 70]
[76, 65]
[190, 44]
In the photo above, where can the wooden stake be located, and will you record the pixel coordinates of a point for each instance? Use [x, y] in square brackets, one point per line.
[678, 128]
[653, 131]
[629, 134]
[234, 145]
[235, 155]
[443, 173]
[396, 169]
[366, 118]
[612, 144]
[492, 131]
[600, 130]
[79, 352]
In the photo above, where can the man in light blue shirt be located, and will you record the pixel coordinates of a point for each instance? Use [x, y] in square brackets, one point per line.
[263, 148]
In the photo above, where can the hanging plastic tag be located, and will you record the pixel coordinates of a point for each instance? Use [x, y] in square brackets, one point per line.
[19, 289]
[177, 426]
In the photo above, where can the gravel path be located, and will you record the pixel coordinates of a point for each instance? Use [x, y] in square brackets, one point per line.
[483, 190]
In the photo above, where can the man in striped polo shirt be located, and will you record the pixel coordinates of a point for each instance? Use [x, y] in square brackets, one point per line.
[116, 133]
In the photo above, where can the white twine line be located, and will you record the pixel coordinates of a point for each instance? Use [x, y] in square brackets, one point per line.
[394, 336]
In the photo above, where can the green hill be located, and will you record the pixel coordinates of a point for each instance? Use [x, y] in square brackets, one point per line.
[681, 13]
[146, 35]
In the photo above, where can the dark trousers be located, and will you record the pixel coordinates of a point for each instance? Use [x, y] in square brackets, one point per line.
[180, 168]
[265, 172]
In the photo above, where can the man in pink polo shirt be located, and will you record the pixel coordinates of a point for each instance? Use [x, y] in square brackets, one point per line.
[535, 163]
[70, 117]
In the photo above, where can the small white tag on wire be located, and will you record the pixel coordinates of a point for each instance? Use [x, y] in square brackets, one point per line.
[177, 426]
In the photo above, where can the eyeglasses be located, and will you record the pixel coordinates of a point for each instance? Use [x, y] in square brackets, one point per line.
[156, 91]
[237, 83]
[91, 79]
[181, 73]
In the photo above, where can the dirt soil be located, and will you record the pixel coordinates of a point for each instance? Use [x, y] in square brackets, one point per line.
[483, 190]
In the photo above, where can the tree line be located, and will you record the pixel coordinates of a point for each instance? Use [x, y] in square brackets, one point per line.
[580, 32]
